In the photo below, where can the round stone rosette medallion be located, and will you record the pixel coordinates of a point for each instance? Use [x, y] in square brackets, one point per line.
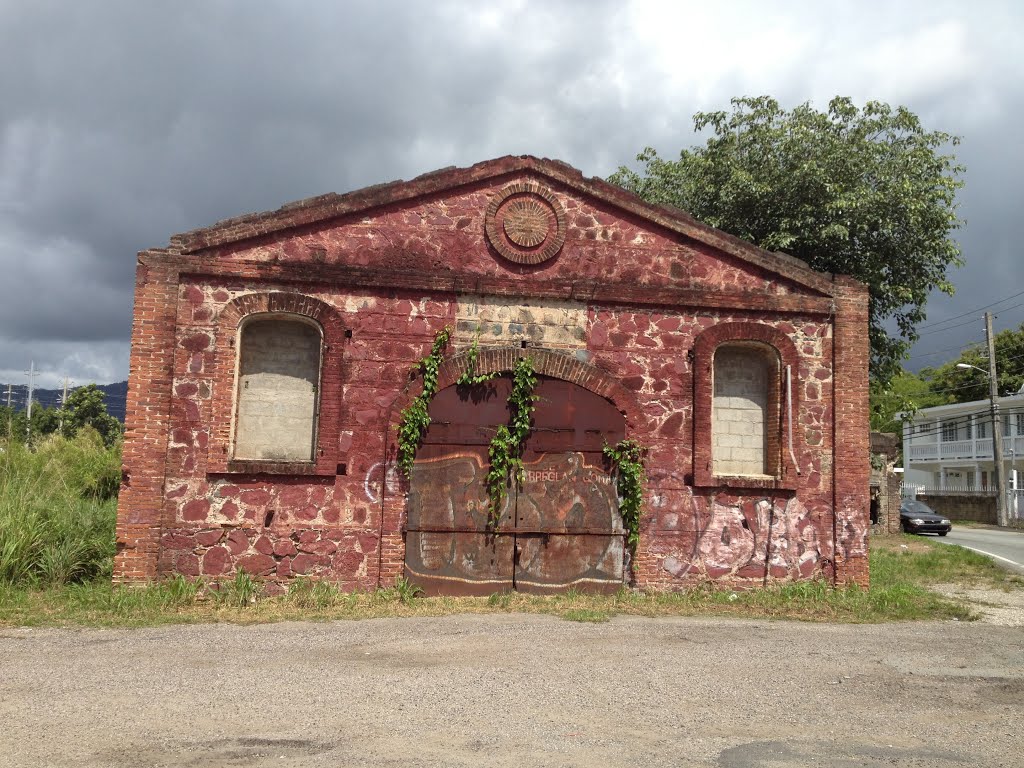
[525, 223]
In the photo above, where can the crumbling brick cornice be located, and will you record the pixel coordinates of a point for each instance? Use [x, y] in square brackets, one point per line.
[322, 208]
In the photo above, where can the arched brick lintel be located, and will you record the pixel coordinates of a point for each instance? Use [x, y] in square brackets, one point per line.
[286, 303]
[546, 362]
[705, 344]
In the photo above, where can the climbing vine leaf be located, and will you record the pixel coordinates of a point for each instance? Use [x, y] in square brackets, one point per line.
[416, 418]
[469, 377]
[626, 458]
[506, 448]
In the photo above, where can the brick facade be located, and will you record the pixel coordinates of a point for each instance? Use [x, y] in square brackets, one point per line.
[526, 257]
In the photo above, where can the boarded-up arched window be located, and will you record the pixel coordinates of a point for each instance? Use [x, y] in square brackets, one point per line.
[278, 389]
[745, 406]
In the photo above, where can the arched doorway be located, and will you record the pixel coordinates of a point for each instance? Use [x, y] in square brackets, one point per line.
[559, 529]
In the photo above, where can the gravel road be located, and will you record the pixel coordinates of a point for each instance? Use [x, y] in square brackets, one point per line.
[514, 690]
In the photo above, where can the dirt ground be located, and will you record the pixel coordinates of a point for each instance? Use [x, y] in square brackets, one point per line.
[1003, 608]
[515, 690]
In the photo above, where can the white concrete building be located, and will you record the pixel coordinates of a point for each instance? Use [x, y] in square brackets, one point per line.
[949, 447]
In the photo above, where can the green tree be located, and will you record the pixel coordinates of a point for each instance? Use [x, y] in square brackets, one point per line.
[903, 393]
[960, 385]
[863, 191]
[85, 408]
[45, 420]
[12, 423]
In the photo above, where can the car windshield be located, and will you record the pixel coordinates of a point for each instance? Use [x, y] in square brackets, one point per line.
[917, 508]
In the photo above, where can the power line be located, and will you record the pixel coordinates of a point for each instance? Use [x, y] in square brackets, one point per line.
[948, 328]
[977, 309]
[959, 325]
[962, 348]
[952, 389]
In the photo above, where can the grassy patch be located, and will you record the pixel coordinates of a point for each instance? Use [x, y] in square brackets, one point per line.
[906, 559]
[586, 615]
[902, 569]
[100, 604]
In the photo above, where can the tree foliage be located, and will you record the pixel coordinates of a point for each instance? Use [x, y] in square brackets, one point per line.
[959, 385]
[863, 191]
[84, 408]
[903, 393]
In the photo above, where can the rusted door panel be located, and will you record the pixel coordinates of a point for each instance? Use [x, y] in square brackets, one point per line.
[569, 530]
[568, 527]
[449, 549]
[566, 492]
[453, 563]
[468, 415]
[565, 531]
[580, 419]
[547, 564]
[446, 489]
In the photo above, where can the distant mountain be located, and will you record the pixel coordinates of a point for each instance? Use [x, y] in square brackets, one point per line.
[114, 397]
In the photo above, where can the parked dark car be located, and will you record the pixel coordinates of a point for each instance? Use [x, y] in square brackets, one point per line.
[918, 517]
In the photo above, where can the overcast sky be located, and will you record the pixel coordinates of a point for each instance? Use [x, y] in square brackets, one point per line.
[122, 123]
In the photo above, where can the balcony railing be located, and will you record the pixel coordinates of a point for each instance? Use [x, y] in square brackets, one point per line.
[960, 450]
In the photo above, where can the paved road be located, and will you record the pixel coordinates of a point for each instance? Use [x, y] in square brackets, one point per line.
[1005, 547]
[510, 691]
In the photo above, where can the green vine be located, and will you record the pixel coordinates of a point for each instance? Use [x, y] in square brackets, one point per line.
[469, 377]
[416, 418]
[627, 460]
[506, 449]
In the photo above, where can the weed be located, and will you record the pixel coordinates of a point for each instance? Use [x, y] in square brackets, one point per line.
[241, 592]
[571, 595]
[500, 599]
[183, 591]
[588, 615]
[57, 510]
[310, 593]
[406, 591]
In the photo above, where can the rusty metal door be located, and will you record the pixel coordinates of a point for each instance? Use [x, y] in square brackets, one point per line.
[559, 529]
[568, 528]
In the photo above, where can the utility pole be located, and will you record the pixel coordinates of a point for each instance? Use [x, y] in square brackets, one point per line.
[31, 373]
[10, 414]
[63, 404]
[997, 427]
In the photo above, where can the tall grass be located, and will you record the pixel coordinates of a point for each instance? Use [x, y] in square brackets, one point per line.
[57, 510]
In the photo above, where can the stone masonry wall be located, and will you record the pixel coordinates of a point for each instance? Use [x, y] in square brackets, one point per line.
[188, 507]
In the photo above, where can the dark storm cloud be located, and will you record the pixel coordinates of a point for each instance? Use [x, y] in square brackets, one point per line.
[991, 204]
[122, 123]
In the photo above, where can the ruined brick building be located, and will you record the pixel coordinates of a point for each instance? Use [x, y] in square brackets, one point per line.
[273, 355]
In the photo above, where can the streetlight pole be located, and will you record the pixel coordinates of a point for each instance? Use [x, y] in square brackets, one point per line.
[997, 427]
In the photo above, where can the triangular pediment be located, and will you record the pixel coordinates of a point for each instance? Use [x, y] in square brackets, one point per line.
[599, 231]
